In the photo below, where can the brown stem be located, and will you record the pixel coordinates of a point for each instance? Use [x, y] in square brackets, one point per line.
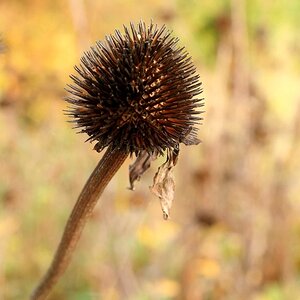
[103, 173]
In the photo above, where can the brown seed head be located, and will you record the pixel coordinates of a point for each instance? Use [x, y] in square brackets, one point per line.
[135, 92]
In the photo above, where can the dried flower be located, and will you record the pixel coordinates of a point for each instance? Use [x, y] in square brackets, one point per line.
[135, 92]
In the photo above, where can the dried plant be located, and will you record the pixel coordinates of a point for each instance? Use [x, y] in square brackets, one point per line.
[133, 95]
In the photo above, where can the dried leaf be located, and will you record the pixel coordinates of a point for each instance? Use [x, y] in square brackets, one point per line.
[164, 184]
[139, 167]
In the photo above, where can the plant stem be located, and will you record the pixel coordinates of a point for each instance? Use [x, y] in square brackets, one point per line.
[103, 173]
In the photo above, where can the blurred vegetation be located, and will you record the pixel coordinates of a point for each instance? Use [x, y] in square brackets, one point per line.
[235, 228]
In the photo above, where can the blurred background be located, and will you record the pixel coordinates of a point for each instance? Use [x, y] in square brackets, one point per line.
[234, 231]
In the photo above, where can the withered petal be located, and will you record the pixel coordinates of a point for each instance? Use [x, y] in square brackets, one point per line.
[164, 183]
[140, 166]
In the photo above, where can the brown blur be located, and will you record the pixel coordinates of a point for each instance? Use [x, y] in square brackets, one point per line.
[234, 231]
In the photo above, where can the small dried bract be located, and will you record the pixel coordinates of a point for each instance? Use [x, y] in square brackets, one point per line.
[135, 92]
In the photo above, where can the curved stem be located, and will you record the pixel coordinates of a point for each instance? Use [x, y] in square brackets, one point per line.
[103, 173]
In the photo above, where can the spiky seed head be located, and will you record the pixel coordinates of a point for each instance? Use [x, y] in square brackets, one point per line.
[134, 91]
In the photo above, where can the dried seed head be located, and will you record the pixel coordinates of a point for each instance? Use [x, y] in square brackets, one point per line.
[135, 92]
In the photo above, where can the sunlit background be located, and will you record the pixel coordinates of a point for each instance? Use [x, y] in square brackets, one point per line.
[234, 231]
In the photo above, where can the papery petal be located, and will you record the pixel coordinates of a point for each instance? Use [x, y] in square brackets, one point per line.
[164, 183]
[139, 167]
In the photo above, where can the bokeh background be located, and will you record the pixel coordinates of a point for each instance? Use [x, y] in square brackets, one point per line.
[235, 227]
